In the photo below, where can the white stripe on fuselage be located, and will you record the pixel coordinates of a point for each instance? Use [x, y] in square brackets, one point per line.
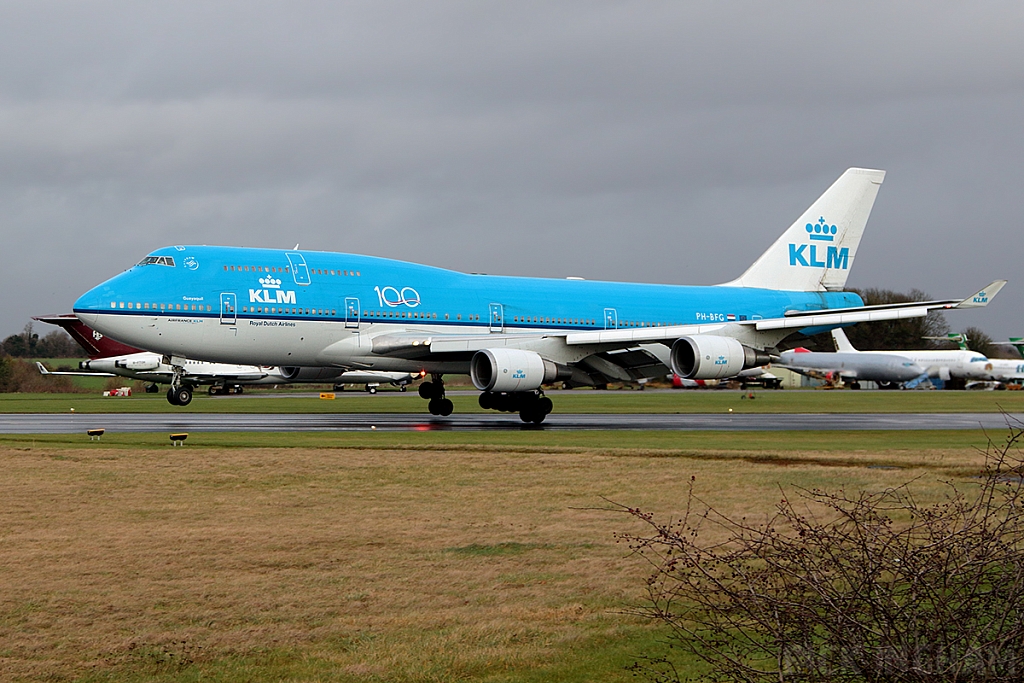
[267, 341]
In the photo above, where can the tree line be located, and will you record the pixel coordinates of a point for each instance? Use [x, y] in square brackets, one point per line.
[28, 344]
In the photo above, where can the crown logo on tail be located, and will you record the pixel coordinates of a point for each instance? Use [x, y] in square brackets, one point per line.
[821, 231]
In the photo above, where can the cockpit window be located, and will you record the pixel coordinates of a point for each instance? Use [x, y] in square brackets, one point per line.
[157, 261]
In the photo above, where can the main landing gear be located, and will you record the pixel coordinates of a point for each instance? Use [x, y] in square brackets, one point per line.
[532, 406]
[433, 391]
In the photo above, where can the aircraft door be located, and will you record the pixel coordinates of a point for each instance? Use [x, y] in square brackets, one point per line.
[352, 313]
[611, 319]
[299, 270]
[497, 318]
[228, 308]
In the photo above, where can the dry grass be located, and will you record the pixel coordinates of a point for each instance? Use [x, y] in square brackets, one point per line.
[347, 564]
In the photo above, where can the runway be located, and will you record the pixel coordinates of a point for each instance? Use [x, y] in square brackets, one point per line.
[206, 422]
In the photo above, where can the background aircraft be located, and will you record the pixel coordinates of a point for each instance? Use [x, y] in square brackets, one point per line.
[888, 368]
[110, 358]
[759, 376]
[1004, 370]
[852, 368]
[511, 335]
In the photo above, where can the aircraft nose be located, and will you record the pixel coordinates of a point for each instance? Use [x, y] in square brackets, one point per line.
[89, 305]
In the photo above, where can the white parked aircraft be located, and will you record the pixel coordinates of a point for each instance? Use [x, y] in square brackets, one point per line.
[1004, 370]
[934, 364]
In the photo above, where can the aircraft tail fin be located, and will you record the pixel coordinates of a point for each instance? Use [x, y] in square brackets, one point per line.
[1015, 342]
[842, 343]
[816, 253]
[95, 344]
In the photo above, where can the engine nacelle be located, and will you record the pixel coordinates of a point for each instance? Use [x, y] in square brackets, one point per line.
[294, 373]
[510, 370]
[709, 356]
[139, 363]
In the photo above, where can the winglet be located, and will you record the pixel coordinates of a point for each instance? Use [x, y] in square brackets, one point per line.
[983, 297]
[42, 368]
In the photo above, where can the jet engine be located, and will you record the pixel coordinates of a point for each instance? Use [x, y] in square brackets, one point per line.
[294, 373]
[709, 356]
[510, 370]
[138, 364]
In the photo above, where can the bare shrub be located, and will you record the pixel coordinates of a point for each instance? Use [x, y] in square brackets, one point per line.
[838, 586]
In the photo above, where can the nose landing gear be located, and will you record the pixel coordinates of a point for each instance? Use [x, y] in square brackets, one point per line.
[433, 391]
[180, 396]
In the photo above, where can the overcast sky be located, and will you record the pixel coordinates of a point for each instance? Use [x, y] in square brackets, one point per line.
[644, 141]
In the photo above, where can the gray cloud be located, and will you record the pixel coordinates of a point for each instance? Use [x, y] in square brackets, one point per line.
[649, 141]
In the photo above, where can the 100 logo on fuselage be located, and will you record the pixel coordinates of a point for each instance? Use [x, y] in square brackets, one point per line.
[392, 297]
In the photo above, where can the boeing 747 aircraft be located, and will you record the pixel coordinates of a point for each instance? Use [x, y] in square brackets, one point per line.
[511, 335]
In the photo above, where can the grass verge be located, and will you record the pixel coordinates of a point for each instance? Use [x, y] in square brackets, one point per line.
[375, 557]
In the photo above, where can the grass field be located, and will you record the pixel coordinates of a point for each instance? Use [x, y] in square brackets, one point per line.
[651, 402]
[376, 557]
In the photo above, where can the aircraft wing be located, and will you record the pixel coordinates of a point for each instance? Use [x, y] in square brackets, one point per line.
[795, 319]
[80, 373]
[421, 345]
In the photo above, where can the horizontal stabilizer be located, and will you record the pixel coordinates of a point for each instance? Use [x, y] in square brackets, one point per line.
[43, 371]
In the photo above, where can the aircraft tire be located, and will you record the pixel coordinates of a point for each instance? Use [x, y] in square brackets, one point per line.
[213, 390]
[532, 415]
[433, 407]
[445, 407]
[172, 397]
[153, 388]
[486, 400]
[544, 405]
[183, 395]
[371, 390]
[238, 389]
[403, 388]
[426, 390]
